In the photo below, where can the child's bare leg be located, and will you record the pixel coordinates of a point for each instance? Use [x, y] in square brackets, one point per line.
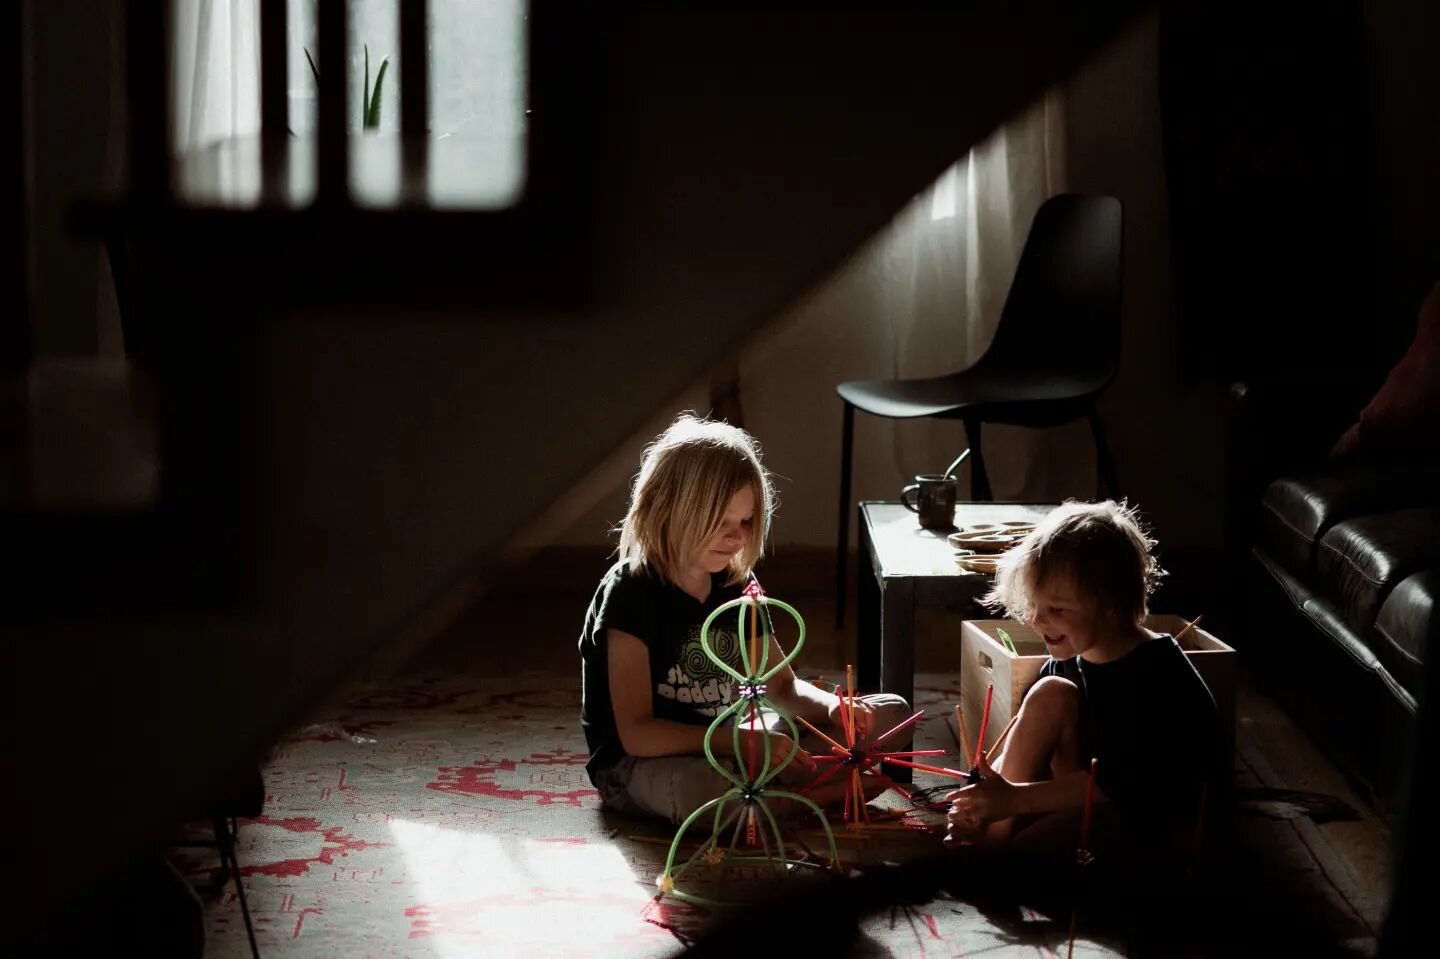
[1042, 743]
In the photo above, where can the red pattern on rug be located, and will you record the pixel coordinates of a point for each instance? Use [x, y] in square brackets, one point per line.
[441, 816]
[452, 816]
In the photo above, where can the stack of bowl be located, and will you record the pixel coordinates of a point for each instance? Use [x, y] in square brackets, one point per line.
[979, 546]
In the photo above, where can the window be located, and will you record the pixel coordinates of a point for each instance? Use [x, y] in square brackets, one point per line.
[477, 99]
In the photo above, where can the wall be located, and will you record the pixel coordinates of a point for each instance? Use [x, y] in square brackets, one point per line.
[1405, 94]
[1165, 435]
[72, 71]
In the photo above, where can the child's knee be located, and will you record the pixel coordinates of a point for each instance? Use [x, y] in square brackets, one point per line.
[890, 711]
[1054, 697]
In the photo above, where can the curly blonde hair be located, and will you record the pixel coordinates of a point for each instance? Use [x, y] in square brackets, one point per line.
[1102, 547]
[688, 475]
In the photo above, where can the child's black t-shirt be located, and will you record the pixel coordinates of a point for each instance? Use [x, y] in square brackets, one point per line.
[1150, 720]
[685, 686]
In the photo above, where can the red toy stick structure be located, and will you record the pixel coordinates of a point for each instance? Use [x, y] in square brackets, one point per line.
[1089, 804]
[937, 770]
[856, 759]
[1082, 852]
[751, 826]
[984, 722]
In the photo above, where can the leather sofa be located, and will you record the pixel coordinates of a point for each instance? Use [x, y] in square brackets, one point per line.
[1337, 562]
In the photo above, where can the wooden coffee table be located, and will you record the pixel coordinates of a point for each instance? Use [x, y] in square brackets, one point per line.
[902, 568]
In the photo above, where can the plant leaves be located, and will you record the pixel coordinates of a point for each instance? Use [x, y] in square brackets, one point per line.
[374, 113]
[365, 93]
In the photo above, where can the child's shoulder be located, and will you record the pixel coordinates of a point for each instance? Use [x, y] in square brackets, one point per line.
[623, 579]
[1164, 665]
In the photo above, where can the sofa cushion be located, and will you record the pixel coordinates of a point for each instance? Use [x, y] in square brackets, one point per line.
[1297, 510]
[1327, 618]
[1408, 627]
[1360, 560]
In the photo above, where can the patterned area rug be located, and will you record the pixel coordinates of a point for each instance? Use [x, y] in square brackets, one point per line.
[433, 817]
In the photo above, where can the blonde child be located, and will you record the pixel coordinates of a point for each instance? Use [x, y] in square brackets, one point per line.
[1112, 690]
[698, 518]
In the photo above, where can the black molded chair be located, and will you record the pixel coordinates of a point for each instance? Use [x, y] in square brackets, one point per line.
[1057, 347]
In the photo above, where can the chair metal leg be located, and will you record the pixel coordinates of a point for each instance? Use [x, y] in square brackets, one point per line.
[1103, 459]
[842, 539]
[979, 479]
[225, 833]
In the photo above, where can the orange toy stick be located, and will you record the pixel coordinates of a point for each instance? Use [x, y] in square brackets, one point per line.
[889, 783]
[850, 703]
[1189, 626]
[939, 770]
[964, 735]
[1001, 740]
[807, 724]
[984, 721]
[896, 728]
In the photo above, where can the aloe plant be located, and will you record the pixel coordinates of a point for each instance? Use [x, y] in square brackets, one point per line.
[370, 101]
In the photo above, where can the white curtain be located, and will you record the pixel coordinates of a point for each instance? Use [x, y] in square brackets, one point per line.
[949, 258]
[921, 298]
[939, 277]
[216, 76]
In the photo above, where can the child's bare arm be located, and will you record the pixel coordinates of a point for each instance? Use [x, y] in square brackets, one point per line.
[995, 798]
[1054, 795]
[794, 695]
[642, 734]
[800, 698]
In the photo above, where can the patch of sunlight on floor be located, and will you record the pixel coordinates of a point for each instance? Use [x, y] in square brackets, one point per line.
[503, 894]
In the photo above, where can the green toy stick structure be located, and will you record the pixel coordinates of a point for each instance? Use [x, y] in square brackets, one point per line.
[743, 808]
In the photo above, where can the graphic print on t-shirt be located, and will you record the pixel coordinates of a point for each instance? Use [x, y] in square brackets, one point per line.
[697, 681]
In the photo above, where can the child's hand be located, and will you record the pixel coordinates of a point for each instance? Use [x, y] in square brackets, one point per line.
[780, 747]
[864, 715]
[975, 807]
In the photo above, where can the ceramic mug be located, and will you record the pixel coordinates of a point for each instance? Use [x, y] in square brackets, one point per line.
[935, 500]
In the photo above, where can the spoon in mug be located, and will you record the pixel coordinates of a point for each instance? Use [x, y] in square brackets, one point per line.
[955, 465]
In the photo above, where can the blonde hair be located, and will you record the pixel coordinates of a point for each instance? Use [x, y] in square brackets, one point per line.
[688, 475]
[1102, 547]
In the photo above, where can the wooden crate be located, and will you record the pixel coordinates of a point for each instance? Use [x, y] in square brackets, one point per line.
[984, 659]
